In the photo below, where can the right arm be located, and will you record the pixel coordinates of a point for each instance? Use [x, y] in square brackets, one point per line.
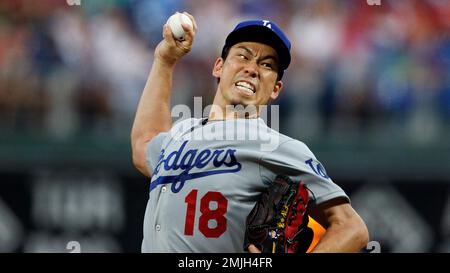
[153, 112]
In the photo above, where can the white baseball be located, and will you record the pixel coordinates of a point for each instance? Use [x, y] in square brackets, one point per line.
[175, 22]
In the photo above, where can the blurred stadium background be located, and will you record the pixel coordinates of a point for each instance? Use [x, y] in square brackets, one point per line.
[368, 90]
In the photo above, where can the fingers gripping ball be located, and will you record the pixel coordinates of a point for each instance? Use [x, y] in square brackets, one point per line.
[175, 22]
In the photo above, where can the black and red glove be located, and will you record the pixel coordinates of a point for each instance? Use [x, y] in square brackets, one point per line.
[278, 223]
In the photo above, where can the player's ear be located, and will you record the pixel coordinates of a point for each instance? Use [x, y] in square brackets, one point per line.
[217, 70]
[276, 90]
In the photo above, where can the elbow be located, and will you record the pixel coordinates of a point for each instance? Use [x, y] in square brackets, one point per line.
[138, 151]
[361, 234]
[139, 164]
[358, 234]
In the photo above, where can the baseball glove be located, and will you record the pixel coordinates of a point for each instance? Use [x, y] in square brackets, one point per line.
[278, 223]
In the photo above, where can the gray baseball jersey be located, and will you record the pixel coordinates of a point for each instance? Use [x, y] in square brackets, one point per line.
[206, 177]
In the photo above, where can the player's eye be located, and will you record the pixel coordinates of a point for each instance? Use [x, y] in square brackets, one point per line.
[267, 65]
[242, 56]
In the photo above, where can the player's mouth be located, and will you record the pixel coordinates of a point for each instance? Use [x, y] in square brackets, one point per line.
[245, 88]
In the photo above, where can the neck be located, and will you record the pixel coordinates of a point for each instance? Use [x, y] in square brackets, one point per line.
[222, 112]
[222, 109]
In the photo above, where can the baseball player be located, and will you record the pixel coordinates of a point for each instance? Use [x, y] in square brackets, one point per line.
[204, 179]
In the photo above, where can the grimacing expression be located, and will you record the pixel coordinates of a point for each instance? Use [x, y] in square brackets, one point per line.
[248, 75]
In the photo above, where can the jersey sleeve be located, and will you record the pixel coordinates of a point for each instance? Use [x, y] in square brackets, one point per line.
[294, 159]
[154, 150]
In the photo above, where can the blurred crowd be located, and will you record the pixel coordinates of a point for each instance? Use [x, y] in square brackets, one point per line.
[375, 70]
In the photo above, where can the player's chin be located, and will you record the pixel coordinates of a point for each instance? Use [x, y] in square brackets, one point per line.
[244, 100]
[238, 101]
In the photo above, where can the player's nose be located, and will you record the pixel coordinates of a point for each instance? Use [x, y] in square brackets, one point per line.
[251, 69]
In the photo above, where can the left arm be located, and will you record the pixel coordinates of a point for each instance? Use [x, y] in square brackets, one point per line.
[345, 230]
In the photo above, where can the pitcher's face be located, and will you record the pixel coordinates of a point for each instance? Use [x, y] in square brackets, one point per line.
[248, 76]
